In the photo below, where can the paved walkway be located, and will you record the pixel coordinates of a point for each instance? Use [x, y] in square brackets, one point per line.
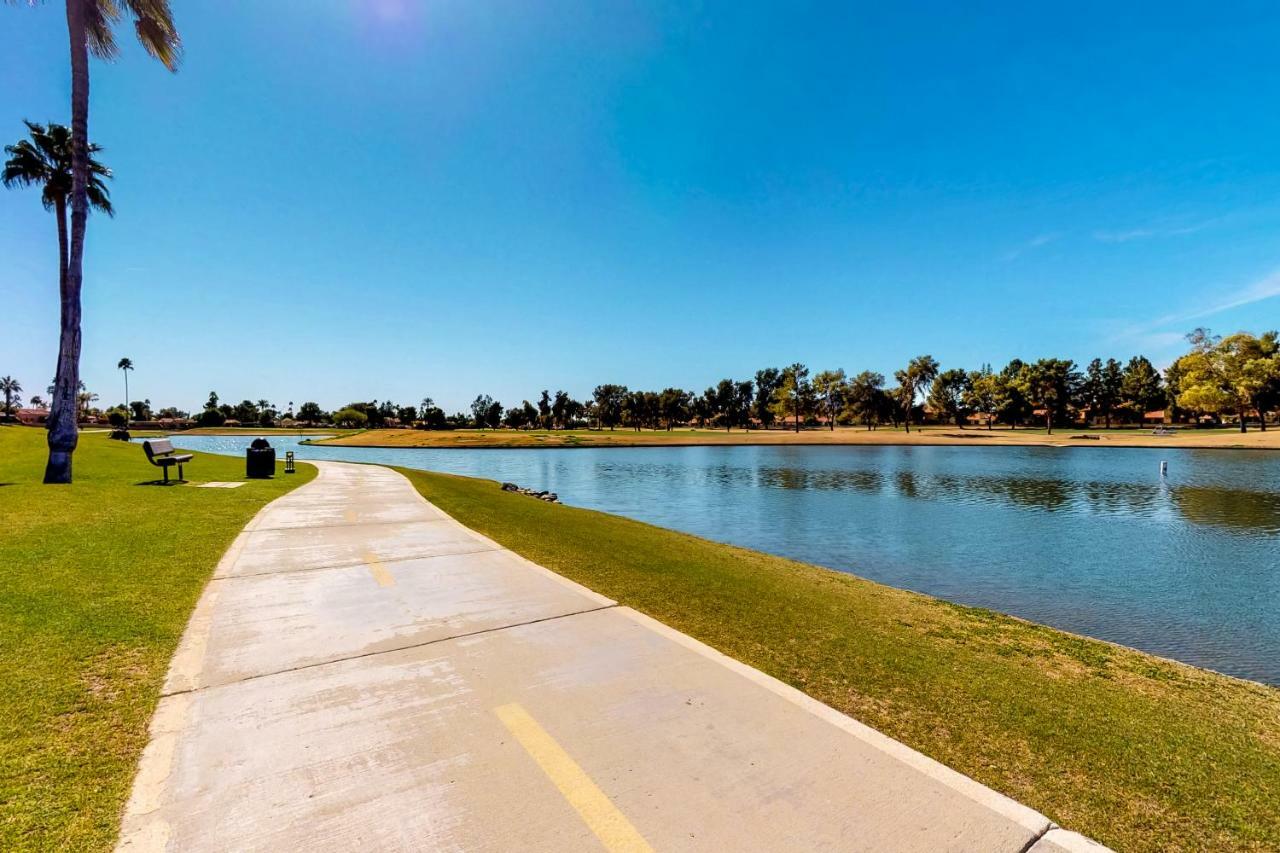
[364, 673]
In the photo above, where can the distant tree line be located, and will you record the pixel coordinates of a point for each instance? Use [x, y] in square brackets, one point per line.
[1234, 378]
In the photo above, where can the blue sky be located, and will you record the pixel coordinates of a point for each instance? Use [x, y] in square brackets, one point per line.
[354, 199]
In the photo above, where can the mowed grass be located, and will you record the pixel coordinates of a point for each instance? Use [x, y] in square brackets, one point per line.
[1138, 752]
[97, 581]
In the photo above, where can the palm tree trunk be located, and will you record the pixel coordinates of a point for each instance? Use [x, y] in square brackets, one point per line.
[60, 211]
[127, 410]
[63, 429]
[1243, 428]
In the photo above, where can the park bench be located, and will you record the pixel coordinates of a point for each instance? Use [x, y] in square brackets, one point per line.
[160, 453]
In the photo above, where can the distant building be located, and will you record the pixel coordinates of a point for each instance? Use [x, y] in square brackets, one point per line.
[32, 417]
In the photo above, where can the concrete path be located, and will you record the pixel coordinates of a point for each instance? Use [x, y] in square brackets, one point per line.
[364, 673]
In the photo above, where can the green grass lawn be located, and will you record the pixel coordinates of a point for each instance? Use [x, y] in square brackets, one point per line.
[1135, 751]
[97, 581]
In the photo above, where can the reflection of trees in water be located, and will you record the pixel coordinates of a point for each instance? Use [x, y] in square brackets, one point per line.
[823, 480]
[1236, 509]
[1255, 512]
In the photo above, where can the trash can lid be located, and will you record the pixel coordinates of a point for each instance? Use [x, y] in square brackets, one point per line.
[260, 444]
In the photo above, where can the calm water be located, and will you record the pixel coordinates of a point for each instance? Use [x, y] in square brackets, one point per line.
[1090, 540]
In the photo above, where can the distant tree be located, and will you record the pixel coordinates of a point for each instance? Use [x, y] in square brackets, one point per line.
[171, 413]
[1231, 374]
[767, 382]
[985, 393]
[673, 406]
[211, 417]
[794, 393]
[37, 402]
[1102, 387]
[917, 375]
[140, 409]
[124, 366]
[830, 390]
[947, 396]
[744, 394]
[1140, 389]
[350, 418]
[608, 404]
[480, 407]
[529, 414]
[863, 400]
[1050, 384]
[407, 414]
[1014, 406]
[433, 417]
[11, 388]
[514, 418]
[560, 409]
[311, 413]
[246, 412]
[545, 415]
[213, 400]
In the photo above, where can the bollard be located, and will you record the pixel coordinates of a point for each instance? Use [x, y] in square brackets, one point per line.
[288, 462]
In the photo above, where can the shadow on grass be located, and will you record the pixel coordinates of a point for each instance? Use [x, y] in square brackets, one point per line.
[163, 483]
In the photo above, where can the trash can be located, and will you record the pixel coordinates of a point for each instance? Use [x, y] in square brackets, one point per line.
[260, 460]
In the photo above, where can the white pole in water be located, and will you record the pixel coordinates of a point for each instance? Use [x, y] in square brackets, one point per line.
[1164, 468]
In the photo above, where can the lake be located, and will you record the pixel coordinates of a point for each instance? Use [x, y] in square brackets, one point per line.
[1091, 540]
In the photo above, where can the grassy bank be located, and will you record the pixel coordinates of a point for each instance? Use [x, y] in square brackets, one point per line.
[97, 581]
[1137, 752]
[933, 435]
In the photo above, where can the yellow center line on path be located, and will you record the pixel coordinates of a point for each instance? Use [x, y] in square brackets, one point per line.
[380, 572]
[603, 818]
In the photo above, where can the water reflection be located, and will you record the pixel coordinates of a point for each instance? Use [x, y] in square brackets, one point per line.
[1091, 540]
[1253, 512]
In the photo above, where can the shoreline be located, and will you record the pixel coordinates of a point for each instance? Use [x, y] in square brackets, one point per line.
[511, 440]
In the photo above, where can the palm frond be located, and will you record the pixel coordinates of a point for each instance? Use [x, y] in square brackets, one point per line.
[156, 31]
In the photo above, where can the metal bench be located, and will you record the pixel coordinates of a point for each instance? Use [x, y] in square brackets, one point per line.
[160, 453]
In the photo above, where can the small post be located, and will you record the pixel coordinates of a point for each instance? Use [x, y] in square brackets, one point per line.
[288, 462]
[1164, 468]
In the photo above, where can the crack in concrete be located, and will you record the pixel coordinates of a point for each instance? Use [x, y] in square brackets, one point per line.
[424, 643]
[1036, 838]
[355, 562]
[309, 526]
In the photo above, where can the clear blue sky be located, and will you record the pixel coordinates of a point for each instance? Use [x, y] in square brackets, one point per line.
[354, 199]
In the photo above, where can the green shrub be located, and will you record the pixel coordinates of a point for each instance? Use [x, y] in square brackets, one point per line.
[350, 418]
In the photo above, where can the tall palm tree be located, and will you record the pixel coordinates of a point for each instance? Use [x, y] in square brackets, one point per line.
[90, 28]
[125, 365]
[44, 160]
[11, 388]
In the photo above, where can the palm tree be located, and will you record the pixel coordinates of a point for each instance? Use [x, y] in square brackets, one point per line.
[90, 26]
[125, 365]
[11, 388]
[44, 160]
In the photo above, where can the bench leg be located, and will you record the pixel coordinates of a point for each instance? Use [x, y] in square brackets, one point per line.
[181, 479]
[165, 469]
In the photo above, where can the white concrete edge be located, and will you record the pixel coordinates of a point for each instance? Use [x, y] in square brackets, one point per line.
[1024, 816]
[140, 828]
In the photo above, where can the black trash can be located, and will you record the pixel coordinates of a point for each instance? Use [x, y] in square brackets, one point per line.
[260, 460]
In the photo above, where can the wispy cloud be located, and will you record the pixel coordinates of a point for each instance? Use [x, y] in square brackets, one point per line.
[1031, 245]
[1149, 232]
[1157, 333]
